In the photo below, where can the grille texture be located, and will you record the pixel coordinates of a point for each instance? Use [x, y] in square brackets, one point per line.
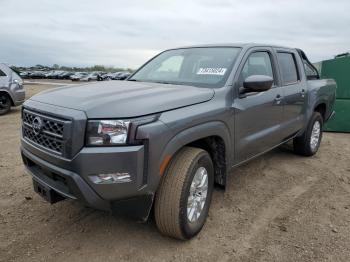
[51, 131]
[52, 126]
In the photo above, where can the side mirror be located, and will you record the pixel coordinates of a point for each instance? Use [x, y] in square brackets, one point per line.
[257, 83]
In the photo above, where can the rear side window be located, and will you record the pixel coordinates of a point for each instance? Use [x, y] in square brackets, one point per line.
[310, 71]
[2, 73]
[288, 68]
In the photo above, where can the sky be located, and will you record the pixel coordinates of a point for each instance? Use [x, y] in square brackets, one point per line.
[127, 33]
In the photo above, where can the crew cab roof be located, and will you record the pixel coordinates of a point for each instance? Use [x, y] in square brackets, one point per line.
[241, 45]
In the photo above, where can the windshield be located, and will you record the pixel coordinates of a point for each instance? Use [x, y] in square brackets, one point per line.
[202, 67]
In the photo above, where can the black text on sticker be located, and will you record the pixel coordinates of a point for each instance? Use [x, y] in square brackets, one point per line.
[211, 71]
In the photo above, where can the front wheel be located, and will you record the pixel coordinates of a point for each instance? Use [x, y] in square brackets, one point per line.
[5, 104]
[183, 199]
[309, 142]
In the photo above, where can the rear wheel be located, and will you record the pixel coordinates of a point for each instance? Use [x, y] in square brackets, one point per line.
[5, 104]
[309, 142]
[183, 199]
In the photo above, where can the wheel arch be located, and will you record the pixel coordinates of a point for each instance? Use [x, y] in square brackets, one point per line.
[214, 137]
[2, 91]
[321, 107]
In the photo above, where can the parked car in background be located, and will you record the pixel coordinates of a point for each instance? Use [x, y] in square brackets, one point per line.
[59, 75]
[78, 75]
[65, 75]
[105, 77]
[47, 74]
[102, 76]
[120, 75]
[124, 76]
[12, 92]
[24, 74]
[55, 74]
[90, 77]
[37, 75]
[74, 76]
[113, 76]
[178, 125]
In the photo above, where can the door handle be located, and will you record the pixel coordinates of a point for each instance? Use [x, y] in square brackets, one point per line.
[278, 99]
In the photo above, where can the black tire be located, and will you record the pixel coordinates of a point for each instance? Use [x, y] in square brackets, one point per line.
[5, 103]
[172, 196]
[302, 144]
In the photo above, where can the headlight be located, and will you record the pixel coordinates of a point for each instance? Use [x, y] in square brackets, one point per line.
[18, 82]
[107, 132]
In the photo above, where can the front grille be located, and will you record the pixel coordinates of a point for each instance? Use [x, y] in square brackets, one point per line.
[49, 135]
[44, 140]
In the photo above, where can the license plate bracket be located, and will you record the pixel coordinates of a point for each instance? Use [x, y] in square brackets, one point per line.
[47, 193]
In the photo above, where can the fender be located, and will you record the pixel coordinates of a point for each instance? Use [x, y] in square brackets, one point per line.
[311, 109]
[314, 100]
[320, 95]
[214, 128]
[324, 99]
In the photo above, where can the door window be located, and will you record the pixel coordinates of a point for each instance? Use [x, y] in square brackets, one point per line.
[258, 63]
[288, 68]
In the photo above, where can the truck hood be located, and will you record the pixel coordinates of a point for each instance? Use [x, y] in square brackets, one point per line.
[124, 99]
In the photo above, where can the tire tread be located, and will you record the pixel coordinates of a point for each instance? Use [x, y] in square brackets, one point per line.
[301, 144]
[168, 198]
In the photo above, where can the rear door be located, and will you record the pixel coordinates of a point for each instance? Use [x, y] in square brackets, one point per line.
[257, 115]
[294, 90]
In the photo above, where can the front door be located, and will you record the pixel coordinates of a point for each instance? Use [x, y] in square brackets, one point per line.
[257, 115]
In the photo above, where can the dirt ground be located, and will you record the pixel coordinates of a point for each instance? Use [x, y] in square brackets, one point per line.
[279, 207]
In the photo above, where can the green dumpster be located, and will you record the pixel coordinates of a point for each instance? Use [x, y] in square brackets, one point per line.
[339, 69]
[341, 121]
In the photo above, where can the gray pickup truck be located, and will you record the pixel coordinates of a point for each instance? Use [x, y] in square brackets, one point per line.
[173, 129]
[12, 92]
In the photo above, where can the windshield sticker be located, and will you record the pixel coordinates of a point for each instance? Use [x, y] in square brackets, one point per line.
[211, 71]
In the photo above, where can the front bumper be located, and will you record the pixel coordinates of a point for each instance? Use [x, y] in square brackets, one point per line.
[70, 178]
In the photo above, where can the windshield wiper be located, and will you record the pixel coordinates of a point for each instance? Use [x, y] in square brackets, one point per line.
[151, 81]
[162, 82]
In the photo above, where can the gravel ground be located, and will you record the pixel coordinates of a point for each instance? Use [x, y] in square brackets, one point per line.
[279, 207]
